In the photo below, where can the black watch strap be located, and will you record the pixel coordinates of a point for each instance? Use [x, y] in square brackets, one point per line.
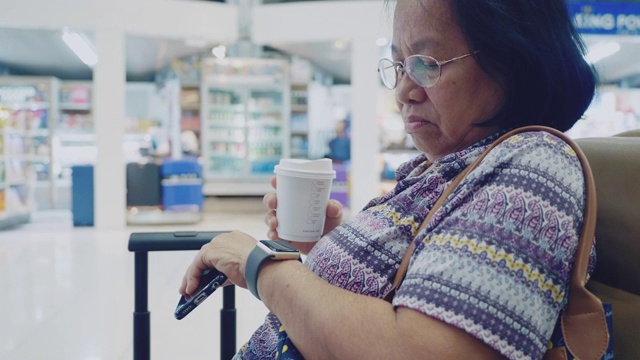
[266, 250]
[255, 260]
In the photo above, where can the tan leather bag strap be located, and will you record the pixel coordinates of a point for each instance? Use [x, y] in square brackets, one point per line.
[404, 265]
[583, 320]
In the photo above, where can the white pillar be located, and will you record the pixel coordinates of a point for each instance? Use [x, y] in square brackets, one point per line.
[365, 175]
[109, 80]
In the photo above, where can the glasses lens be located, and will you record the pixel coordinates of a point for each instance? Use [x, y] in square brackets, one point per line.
[423, 70]
[387, 71]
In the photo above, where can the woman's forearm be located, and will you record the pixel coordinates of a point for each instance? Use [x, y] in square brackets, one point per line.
[328, 322]
[324, 321]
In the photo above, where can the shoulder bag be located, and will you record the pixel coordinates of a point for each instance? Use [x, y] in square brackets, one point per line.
[584, 329]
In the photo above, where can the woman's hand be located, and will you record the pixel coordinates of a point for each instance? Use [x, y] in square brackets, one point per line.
[333, 219]
[227, 253]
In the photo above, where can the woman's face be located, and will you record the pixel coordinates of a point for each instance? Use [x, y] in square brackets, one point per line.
[440, 118]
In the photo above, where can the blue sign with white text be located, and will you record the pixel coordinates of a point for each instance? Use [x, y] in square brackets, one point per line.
[606, 18]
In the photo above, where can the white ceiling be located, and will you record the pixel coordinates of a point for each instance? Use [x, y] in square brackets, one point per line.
[42, 52]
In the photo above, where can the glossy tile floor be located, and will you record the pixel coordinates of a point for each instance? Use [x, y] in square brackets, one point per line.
[68, 293]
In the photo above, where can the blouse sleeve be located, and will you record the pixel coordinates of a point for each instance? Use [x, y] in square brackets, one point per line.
[496, 258]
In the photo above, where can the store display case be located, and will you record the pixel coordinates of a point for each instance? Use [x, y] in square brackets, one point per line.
[190, 118]
[74, 141]
[613, 111]
[28, 108]
[186, 72]
[312, 110]
[299, 121]
[245, 124]
[15, 185]
[74, 138]
[146, 131]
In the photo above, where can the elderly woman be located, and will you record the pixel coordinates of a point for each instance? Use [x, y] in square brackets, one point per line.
[489, 273]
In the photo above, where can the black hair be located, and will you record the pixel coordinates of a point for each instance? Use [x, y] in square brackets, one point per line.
[532, 49]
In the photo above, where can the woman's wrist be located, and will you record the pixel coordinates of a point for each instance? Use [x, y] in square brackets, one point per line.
[274, 277]
[266, 251]
[303, 246]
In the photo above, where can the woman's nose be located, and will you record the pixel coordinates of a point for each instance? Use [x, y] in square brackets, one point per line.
[408, 92]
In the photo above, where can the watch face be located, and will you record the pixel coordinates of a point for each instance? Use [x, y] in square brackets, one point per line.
[279, 245]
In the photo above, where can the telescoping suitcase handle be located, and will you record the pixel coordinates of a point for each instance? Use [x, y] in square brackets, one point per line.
[141, 244]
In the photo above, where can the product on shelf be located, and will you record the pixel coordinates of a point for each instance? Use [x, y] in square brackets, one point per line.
[190, 120]
[187, 69]
[299, 120]
[3, 201]
[75, 93]
[76, 122]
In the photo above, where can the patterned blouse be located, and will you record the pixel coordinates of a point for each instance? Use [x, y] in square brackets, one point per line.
[494, 261]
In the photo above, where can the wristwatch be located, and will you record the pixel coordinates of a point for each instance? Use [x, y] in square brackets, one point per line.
[266, 250]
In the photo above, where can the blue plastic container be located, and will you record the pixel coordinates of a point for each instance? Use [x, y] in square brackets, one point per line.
[185, 165]
[182, 194]
[82, 195]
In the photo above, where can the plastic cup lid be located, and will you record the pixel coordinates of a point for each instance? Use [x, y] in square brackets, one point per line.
[320, 167]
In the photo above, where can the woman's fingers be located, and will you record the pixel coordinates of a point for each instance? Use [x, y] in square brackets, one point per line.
[334, 216]
[272, 235]
[270, 219]
[191, 278]
[227, 252]
[334, 209]
[270, 200]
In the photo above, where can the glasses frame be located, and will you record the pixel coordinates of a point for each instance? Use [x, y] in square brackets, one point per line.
[400, 66]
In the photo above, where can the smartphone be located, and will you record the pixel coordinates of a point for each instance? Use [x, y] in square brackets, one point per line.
[210, 280]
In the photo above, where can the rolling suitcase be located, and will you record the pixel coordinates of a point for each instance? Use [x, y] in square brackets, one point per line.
[141, 243]
[143, 184]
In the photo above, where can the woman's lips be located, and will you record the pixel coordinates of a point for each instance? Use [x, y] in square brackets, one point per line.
[415, 123]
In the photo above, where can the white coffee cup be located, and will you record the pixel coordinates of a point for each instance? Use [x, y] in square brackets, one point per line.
[303, 189]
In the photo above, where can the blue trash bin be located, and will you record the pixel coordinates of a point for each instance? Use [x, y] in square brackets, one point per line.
[82, 195]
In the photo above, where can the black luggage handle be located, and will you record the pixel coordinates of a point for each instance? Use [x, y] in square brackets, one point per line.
[141, 244]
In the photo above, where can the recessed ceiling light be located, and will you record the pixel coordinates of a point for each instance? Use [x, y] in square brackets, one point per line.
[80, 46]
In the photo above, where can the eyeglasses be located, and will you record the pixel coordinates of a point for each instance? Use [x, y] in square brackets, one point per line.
[422, 69]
